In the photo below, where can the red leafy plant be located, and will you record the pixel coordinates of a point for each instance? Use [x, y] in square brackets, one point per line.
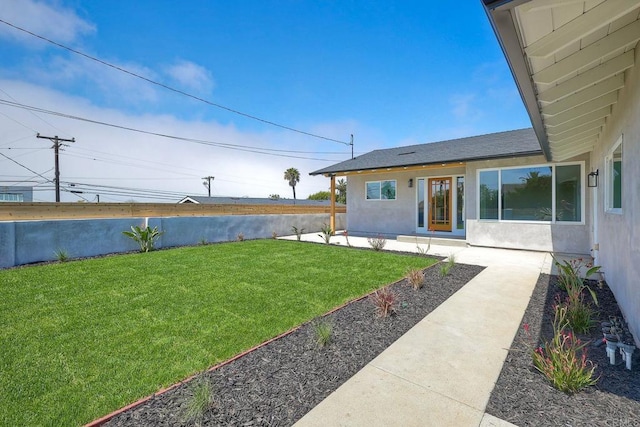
[415, 277]
[563, 360]
[385, 301]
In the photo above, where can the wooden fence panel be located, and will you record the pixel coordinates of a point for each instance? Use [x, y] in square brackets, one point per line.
[48, 211]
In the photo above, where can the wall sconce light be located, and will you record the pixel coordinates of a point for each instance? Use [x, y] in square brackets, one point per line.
[592, 179]
[410, 182]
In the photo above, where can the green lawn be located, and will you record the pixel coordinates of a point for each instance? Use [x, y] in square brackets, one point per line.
[81, 339]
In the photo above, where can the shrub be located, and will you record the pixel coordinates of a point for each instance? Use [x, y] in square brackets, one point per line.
[200, 400]
[298, 232]
[144, 237]
[444, 269]
[240, 237]
[202, 241]
[327, 232]
[452, 260]
[385, 301]
[580, 314]
[377, 243]
[563, 360]
[61, 255]
[323, 331]
[415, 277]
[274, 235]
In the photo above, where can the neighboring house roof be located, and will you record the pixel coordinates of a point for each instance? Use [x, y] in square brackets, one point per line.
[568, 60]
[515, 143]
[253, 201]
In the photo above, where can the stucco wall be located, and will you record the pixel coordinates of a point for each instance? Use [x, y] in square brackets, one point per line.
[24, 242]
[387, 217]
[619, 234]
[567, 238]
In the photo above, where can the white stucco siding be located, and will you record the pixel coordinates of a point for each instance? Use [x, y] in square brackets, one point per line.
[558, 237]
[387, 217]
[619, 234]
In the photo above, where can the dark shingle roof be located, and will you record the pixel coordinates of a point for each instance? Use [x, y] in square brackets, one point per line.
[253, 201]
[522, 142]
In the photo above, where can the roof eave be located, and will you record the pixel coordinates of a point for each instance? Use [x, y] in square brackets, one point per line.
[453, 162]
[501, 19]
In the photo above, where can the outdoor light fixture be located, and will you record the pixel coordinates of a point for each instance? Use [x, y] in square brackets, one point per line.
[592, 179]
[410, 182]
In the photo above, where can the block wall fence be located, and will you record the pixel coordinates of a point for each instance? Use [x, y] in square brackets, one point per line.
[26, 242]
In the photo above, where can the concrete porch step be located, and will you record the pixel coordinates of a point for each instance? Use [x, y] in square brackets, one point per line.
[441, 241]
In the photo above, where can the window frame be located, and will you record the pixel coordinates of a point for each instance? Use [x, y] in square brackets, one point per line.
[380, 183]
[553, 193]
[609, 179]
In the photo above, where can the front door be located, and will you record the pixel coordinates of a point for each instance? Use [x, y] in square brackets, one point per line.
[439, 200]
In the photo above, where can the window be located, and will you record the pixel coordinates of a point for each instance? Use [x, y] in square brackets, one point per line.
[613, 185]
[11, 197]
[526, 194]
[535, 193]
[381, 190]
[488, 195]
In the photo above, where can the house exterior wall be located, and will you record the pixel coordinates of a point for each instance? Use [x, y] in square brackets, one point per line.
[618, 234]
[558, 237]
[387, 217]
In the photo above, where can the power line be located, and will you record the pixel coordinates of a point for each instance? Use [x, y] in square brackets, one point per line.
[257, 150]
[131, 73]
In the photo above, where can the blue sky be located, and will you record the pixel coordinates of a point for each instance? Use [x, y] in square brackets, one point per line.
[391, 73]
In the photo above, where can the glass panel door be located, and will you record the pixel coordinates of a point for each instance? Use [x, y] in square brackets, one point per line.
[439, 204]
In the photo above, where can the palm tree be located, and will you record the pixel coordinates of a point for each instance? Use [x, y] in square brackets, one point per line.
[341, 186]
[293, 176]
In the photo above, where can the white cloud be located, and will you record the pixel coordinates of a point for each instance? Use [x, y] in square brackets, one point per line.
[49, 20]
[107, 156]
[191, 76]
[463, 106]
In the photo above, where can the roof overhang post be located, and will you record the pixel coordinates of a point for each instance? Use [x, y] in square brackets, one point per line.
[332, 220]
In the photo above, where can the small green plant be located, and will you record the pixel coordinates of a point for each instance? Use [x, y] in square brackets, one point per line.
[444, 269]
[144, 237]
[240, 237]
[423, 251]
[452, 260]
[200, 400]
[569, 278]
[580, 315]
[274, 235]
[327, 232]
[385, 301]
[415, 277]
[377, 243]
[323, 331]
[203, 242]
[563, 360]
[298, 232]
[61, 255]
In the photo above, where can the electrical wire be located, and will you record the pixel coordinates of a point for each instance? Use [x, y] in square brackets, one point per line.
[162, 85]
[257, 150]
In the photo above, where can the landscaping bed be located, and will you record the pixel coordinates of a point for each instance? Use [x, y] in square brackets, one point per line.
[524, 397]
[281, 381]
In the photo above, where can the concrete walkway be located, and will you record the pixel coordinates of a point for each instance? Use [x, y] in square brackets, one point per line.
[442, 371]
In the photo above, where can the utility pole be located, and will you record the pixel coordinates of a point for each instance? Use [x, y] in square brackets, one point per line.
[351, 146]
[207, 183]
[56, 148]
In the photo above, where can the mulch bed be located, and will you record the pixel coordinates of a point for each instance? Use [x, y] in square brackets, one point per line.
[524, 397]
[280, 382]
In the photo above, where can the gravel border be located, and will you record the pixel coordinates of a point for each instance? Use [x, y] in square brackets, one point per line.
[524, 397]
[278, 383]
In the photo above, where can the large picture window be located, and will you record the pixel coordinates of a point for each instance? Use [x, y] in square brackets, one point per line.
[381, 190]
[536, 193]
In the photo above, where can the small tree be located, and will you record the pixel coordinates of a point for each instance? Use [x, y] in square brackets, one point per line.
[293, 176]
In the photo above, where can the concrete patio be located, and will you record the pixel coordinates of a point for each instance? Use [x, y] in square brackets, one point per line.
[442, 371]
